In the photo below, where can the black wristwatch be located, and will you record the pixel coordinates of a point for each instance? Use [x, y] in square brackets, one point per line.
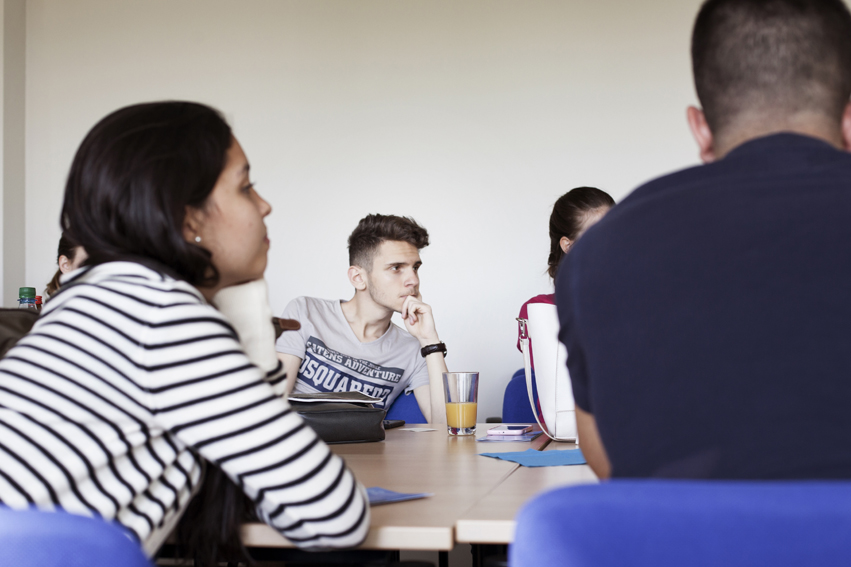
[431, 349]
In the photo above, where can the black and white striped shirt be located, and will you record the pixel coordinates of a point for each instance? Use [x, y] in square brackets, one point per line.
[128, 379]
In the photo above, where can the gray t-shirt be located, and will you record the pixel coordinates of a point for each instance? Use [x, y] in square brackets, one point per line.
[334, 360]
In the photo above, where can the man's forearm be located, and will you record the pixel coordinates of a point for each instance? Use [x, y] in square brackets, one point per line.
[436, 367]
[592, 445]
[291, 365]
[419, 320]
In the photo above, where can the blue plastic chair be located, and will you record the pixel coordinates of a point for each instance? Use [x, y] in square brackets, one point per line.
[406, 407]
[695, 523]
[31, 538]
[515, 401]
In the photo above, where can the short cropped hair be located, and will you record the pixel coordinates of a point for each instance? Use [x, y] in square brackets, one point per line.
[133, 177]
[771, 55]
[372, 230]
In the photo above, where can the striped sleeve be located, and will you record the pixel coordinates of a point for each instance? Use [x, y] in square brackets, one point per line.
[212, 399]
[76, 433]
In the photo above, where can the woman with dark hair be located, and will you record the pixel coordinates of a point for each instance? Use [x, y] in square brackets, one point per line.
[69, 257]
[131, 384]
[573, 213]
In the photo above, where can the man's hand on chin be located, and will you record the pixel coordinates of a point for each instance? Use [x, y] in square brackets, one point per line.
[419, 320]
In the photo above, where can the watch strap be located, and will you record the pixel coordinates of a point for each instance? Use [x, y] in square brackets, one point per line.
[431, 349]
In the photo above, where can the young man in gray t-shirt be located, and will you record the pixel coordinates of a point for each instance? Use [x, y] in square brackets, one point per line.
[353, 345]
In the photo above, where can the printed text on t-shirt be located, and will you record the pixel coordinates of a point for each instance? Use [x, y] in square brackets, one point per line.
[321, 369]
[362, 367]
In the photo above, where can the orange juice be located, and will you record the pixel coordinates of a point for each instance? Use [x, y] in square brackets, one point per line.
[461, 415]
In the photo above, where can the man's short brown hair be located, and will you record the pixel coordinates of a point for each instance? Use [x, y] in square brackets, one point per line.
[372, 230]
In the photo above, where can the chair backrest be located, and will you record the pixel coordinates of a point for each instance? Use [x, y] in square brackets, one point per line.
[555, 394]
[31, 538]
[405, 407]
[695, 523]
[515, 401]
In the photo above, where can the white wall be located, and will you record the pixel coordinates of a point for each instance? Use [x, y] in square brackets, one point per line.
[12, 142]
[473, 116]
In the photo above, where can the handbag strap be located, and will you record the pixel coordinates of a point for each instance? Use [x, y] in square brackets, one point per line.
[527, 364]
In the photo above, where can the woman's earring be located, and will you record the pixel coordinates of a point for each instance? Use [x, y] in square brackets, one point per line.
[197, 239]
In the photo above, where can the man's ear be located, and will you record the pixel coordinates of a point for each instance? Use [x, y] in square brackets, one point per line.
[356, 278]
[846, 127]
[564, 243]
[702, 134]
[192, 224]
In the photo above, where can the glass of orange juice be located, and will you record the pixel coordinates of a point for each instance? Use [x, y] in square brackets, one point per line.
[462, 390]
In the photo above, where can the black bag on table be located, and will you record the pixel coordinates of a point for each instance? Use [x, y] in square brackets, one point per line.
[348, 419]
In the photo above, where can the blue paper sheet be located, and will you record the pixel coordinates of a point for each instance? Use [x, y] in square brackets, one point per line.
[533, 458]
[378, 495]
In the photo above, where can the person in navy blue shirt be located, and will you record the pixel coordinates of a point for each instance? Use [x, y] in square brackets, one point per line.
[707, 317]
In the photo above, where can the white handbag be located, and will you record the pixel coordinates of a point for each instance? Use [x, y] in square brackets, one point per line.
[555, 393]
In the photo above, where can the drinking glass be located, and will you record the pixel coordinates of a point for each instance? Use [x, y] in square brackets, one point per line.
[462, 390]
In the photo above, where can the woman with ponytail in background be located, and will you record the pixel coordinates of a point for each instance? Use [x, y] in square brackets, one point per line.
[573, 213]
[69, 257]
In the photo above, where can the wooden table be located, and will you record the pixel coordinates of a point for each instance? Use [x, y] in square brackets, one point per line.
[491, 519]
[473, 495]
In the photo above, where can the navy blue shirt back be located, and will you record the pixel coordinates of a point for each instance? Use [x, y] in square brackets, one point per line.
[707, 318]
